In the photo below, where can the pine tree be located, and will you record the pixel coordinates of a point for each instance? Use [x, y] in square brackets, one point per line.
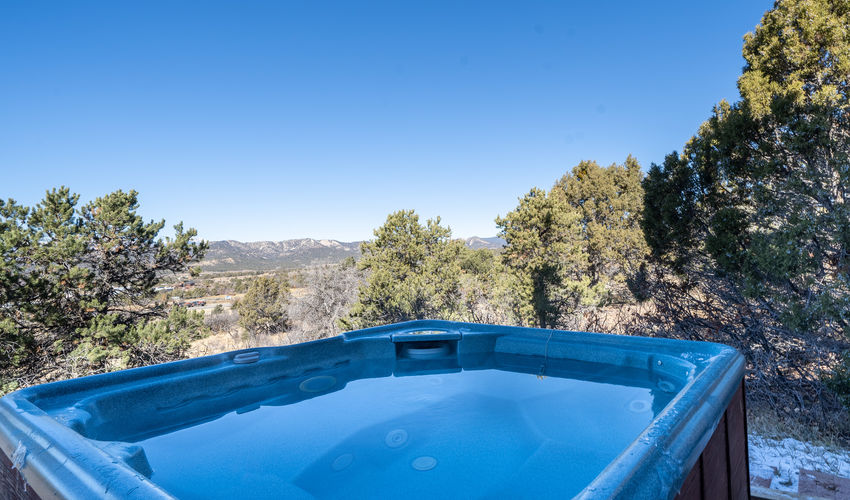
[413, 272]
[754, 213]
[761, 191]
[610, 203]
[79, 280]
[263, 309]
[544, 252]
[577, 244]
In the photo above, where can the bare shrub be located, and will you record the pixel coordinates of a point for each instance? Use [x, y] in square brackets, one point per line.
[787, 368]
[330, 292]
[224, 321]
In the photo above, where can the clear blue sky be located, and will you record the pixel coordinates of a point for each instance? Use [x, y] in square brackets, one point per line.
[276, 120]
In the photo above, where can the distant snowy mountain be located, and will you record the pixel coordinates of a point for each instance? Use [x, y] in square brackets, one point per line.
[231, 255]
[494, 243]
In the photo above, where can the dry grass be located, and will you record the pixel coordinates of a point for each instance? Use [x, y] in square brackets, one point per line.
[234, 340]
[766, 422]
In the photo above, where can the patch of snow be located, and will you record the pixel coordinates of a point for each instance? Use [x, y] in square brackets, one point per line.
[19, 456]
[781, 461]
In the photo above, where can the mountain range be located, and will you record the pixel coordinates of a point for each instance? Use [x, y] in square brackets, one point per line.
[231, 255]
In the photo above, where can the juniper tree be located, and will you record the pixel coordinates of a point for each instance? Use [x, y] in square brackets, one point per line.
[488, 290]
[263, 309]
[758, 201]
[609, 201]
[412, 273]
[577, 244]
[762, 189]
[543, 250]
[79, 280]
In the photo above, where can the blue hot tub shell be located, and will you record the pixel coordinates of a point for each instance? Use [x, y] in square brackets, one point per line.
[75, 438]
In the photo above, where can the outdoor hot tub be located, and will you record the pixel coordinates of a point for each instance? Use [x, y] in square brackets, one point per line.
[421, 409]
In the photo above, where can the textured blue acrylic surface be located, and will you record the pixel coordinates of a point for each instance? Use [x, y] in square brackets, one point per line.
[411, 437]
[411, 410]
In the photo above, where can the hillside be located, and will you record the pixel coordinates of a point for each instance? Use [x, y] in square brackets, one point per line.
[230, 255]
[493, 243]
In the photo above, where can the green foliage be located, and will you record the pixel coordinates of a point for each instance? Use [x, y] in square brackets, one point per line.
[669, 222]
[610, 204]
[839, 381]
[413, 273]
[798, 59]
[576, 245]
[477, 262]
[110, 343]
[761, 191]
[544, 253]
[167, 339]
[78, 279]
[262, 311]
[753, 217]
[488, 289]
